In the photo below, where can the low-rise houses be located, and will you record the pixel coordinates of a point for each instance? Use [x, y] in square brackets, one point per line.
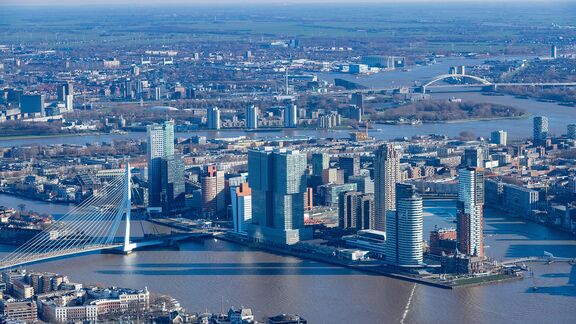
[29, 296]
[93, 304]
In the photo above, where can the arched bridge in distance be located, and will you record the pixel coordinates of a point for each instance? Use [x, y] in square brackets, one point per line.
[455, 76]
[459, 73]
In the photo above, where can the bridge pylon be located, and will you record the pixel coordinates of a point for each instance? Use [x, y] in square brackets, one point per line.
[127, 247]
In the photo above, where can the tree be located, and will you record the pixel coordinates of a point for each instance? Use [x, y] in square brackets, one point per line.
[467, 136]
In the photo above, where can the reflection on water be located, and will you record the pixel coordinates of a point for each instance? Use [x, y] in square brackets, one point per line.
[34, 205]
[201, 275]
[559, 118]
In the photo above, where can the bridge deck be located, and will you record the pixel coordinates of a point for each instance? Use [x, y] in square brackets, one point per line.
[32, 258]
[53, 255]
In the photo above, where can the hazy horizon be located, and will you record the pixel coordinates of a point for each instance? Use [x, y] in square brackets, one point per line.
[258, 2]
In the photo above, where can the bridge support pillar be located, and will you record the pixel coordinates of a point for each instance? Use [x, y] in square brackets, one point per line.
[490, 88]
[127, 247]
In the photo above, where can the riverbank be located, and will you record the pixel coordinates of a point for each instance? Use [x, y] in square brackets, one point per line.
[483, 280]
[454, 121]
[19, 195]
[20, 137]
[488, 119]
[373, 268]
[518, 128]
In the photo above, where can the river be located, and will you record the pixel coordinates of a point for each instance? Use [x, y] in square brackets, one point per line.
[559, 116]
[202, 275]
[34, 205]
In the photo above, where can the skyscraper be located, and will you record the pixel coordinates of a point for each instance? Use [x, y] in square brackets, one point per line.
[350, 165]
[363, 183]
[470, 208]
[160, 145]
[61, 92]
[347, 206]
[213, 118]
[358, 100]
[139, 89]
[278, 182]
[365, 212]
[404, 228]
[173, 191]
[213, 195]
[65, 94]
[128, 91]
[474, 157]
[333, 175]
[290, 115]
[386, 175]
[320, 162]
[157, 93]
[252, 117]
[355, 210]
[241, 197]
[571, 131]
[553, 52]
[498, 137]
[540, 130]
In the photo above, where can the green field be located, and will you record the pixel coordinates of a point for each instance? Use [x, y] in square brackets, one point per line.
[425, 28]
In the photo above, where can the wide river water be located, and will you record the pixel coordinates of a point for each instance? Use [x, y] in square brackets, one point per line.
[559, 117]
[216, 273]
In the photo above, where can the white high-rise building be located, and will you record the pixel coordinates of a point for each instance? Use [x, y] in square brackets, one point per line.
[213, 118]
[241, 197]
[160, 145]
[252, 117]
[386, 175]
[65, 94]
[290, 115]
[157, 94]
[160, 140]
[470, 208]
[404, 228]
[499, 137]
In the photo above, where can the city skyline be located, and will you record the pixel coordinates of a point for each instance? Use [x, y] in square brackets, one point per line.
[311, 161]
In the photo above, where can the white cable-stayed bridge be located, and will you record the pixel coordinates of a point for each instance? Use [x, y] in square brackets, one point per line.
[93, 225]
